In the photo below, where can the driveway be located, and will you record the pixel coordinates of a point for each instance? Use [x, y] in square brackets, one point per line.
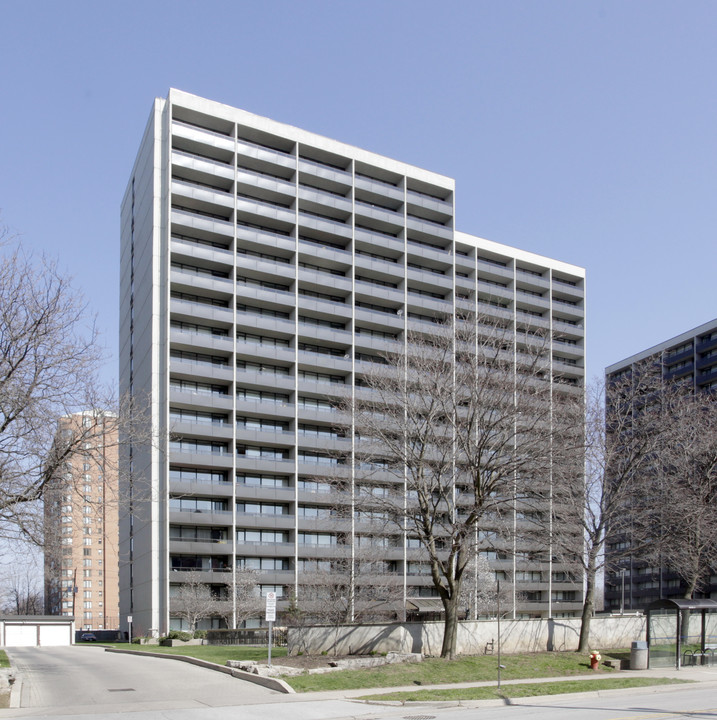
[82, 679]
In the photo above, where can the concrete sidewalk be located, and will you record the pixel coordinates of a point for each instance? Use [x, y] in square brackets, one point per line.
[701, 674]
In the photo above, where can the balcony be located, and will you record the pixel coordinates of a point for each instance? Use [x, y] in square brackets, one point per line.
[427, 228]
[252, 208]
[202, 136]
[325, 225]
[322, 201]
[187, 249]
[262, 157]
[327, 172]
[192, 222]
[202, 166]
[378, 187]
[441, 208]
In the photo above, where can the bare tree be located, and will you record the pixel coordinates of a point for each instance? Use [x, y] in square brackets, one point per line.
[22, 594]
[49, 357]
[479, 590]
[622, 439]
[682, 532]
[459, 427]
[342, 591]
[242, 599]
[194, 600]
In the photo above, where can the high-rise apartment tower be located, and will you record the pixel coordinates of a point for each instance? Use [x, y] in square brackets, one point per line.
[263, 267]
[81, 525]
[690, 360]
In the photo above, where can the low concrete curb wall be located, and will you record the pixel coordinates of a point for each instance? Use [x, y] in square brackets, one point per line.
[517, 636]
[270, 683]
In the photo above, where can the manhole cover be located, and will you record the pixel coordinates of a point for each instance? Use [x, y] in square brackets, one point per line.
[120, 690]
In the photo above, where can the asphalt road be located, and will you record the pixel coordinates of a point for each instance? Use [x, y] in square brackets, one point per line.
[84, 679]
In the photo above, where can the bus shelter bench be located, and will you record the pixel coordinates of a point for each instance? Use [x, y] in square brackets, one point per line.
[698, 657]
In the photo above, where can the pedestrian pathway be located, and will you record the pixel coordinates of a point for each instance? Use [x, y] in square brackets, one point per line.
[706, 674]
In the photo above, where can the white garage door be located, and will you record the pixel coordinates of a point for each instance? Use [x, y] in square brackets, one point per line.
[21, 635]
[54, 635]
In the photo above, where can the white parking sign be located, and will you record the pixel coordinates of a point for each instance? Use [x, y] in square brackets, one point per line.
[271, 607]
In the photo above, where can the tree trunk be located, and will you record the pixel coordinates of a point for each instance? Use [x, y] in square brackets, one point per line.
[450, 630]
[584, 642]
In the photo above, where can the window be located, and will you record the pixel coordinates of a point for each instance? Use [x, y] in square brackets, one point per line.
[278, 589]
[188, 445]
[311, 538]
[198, 388]
[262, 367]
[183, 326]
[262, 396]
[196, 416]
[306, 456]
[250, 423]
[315, 404]
[313, 486]
[319, 431]
[261, 537]
[322, 296]
[198, 358]
[200, 299]
[194, 504]
[259, 508]
[255, 563]
[320, 377]
[264, 340]
[242, 280]
[262, 480]
[253, 310]
[314, 511]
[199, 476]
[262, 451]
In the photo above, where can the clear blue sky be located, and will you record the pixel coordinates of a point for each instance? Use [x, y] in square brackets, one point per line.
[585, 131]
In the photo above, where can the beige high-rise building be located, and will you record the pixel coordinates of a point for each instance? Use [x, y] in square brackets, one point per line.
[81, 526]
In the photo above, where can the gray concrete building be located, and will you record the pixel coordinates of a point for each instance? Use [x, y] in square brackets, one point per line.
[262, 267]
[691, 360]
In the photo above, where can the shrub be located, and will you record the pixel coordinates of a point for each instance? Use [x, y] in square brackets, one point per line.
[200, 634]
[179, 635]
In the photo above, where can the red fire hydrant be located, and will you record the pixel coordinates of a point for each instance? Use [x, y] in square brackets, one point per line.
[594, 659]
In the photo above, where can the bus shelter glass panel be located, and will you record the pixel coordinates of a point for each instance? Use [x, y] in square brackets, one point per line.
[663, 638]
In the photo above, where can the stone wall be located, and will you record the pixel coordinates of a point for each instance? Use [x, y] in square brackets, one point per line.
[473, 637]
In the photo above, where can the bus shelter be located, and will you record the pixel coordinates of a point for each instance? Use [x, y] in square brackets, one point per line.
[681, 632]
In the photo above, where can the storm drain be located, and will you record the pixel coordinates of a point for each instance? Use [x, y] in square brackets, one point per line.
[120, 690]
[419, 717]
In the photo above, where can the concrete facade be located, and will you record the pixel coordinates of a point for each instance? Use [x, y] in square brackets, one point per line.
[263, 268]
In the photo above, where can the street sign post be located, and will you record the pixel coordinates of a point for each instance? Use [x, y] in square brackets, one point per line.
[270, 617]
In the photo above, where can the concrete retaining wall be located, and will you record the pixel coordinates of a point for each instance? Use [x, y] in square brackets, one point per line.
[426, 638]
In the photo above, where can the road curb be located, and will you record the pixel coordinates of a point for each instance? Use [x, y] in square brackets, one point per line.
[267, 682]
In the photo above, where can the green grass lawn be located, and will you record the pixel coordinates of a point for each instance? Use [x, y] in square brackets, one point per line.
[434, 671]
[212, 653]
[4, 662]
[522, 690]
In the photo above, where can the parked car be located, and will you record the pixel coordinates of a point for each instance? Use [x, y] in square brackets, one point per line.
[88, 637]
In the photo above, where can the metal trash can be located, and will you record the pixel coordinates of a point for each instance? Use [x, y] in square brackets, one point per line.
[638, 655]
